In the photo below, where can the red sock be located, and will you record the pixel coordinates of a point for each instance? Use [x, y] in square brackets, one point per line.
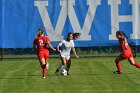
[44, 70]
[118, 67]
[137, 65]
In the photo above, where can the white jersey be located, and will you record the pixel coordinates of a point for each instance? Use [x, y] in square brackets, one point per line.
[66, 47]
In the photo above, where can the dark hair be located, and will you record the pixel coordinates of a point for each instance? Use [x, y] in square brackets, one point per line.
[122, 34]
[75, 36]
[40, 32]
[40, 29]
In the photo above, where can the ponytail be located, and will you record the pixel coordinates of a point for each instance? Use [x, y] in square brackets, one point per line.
[76, 36]
[122, 34]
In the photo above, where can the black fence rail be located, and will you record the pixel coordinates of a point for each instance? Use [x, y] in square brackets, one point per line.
[100, 51]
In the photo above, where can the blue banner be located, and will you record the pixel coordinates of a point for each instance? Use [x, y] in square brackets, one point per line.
[1, 24]
[96, 20]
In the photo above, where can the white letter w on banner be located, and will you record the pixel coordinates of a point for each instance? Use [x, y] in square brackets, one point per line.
[55, 34]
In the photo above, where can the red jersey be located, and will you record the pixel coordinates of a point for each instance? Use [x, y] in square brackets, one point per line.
[125, 48]
[41, 43]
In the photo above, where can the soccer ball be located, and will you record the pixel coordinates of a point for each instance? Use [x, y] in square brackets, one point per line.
[64, 72]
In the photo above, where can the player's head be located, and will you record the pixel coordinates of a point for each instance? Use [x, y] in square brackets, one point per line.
[121, 33]
[40, 32]
[73, 36]
[70, 36]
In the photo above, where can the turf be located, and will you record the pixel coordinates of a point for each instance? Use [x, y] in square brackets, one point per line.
[88, 75]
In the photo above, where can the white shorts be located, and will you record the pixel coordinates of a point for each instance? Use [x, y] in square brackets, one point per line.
[65, 56]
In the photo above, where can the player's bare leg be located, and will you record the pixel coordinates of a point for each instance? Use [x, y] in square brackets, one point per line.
[43, 66]
[132, 62]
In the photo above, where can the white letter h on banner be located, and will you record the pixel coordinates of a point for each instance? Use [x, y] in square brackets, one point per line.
[116, 18]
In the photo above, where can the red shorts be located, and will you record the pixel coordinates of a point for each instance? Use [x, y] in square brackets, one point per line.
[127, 54]
[43, 54]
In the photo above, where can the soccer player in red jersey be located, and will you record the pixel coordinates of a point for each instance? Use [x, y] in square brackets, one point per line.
[42, 42]
[126, 52]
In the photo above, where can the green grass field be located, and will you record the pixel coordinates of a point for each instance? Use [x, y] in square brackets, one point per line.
[88, 75]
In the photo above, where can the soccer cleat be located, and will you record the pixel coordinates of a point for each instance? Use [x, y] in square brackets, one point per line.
[57, 71]
[44, 77]
[68, 74]
[117, 72]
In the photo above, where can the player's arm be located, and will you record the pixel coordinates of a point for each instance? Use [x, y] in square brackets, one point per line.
[49, 44]
[59, 45]
[58, 48]
[34, 44]
[74, 52]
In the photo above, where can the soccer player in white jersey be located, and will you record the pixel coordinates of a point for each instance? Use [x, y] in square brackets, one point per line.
[66, 46]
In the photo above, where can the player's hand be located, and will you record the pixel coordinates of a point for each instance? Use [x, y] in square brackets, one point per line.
[77, 57]
[59, 51]
[54, 49]
[34, 47]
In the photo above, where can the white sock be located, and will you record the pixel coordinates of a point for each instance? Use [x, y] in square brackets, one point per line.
[47, 65]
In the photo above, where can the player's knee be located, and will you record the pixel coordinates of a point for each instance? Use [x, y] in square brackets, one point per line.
[132, 63]
[63, 63]
[69, 62]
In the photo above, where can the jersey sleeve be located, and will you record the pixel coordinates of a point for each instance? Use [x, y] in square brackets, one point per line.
[35, 42]
[60, 44]
[73, 45]
[47, 39]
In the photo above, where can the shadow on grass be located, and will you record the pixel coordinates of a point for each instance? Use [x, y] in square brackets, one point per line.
[78, 74]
